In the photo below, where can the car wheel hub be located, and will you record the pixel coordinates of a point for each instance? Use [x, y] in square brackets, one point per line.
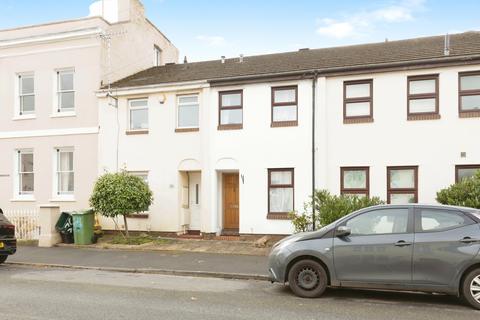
[307, 279]
[475, 289]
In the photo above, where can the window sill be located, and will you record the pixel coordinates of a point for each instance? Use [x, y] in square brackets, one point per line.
[24, 117]
[136, 132]
[469, 114]
[138, 216]
[64, 114]
[357, 120]
[424, 116]
[278, 216]
[23, 199]
[279, 124]
[230, 127]
[187, 129]
[63, 199]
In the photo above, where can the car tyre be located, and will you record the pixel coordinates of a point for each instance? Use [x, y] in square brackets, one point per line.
[307, 279]
[471, 288]
[3, 258]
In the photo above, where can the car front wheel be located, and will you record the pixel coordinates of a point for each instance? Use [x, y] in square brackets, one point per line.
[471, 288]
[307, 279]
[3, 258]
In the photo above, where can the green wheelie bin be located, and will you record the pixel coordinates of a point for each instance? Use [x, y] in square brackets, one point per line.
[83, 222]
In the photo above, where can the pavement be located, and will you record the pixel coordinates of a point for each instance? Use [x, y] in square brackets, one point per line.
[29, 293]
[169, 262]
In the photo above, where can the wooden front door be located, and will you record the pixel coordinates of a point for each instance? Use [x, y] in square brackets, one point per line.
[230, 201]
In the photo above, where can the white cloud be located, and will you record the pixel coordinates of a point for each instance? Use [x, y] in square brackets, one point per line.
[355, 24]
[336, 29]
[215, 41]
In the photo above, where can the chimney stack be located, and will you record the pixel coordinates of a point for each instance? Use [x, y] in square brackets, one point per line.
[223, 59]
[241, 58]
[185, 60]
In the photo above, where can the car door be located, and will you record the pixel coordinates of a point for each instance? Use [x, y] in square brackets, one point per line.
[379, 248]
[444, 243]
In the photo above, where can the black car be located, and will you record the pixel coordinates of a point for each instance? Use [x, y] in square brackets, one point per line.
[8, 243]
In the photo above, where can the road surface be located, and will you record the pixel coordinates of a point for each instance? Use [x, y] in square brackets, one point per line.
[29, 293]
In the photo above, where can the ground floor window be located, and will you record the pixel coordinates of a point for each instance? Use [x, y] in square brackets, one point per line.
[402, 184]
[355, 181]
[465, 171]
[25, 173]
[280, 191]
[64, 171]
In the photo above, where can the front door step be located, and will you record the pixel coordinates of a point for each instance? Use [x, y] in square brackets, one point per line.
[230, 232]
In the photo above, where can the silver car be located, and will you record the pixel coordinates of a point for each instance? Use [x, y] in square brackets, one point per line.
[427, 248]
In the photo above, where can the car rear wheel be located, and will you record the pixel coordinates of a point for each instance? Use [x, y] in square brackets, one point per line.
[307, 279]
[471, 288]
[3, 258]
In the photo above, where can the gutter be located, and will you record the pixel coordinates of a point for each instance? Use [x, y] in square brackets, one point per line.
[167, 86]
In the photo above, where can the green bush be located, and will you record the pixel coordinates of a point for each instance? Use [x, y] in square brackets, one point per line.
[464, 193]
[329, 208]
[120, 194]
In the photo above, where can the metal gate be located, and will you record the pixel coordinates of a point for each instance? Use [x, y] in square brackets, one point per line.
[26, 223]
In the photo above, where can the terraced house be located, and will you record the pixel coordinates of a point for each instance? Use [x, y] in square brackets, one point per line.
[229, 146]
[233, 145]
[49, 121]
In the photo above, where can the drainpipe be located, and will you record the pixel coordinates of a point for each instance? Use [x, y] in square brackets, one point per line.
[314, 89]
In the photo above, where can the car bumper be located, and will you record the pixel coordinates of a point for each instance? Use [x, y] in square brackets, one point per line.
[277, 264]
[8, 246]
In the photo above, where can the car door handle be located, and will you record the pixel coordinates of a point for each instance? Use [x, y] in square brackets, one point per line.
[469, 240]
[402, 243]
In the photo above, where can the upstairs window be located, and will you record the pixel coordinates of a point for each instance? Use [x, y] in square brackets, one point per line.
[469, 94]
[355, 181]
[423, 97]
[138, 115]
[358, 101]
[402, 185]
[65, 91]
[284, 106]
[26, 94]
[231, 110]
[25, 172]
[187, 112]
[157, 56]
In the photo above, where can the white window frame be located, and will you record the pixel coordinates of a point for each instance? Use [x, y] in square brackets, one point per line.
[141, 174]
[130, 108]
[187, 104]
[19, 112]
[57, 110]
[157, 56]
[57, 195]
[144, 175]
[18, 194]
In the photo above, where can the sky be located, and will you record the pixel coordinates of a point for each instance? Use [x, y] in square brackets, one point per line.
[208, 29]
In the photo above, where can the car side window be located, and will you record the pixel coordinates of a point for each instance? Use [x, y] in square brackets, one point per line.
[432, 220]
[382, 221]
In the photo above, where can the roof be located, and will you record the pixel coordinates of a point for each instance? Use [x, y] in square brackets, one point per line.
[418, 50]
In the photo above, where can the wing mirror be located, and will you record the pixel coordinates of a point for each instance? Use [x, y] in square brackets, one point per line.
[343, 231]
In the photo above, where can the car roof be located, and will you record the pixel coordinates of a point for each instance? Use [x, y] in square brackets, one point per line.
[425, 205]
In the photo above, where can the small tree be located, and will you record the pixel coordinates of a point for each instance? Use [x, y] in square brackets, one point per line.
[120, 194]
[329, 208]
[464, 193]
